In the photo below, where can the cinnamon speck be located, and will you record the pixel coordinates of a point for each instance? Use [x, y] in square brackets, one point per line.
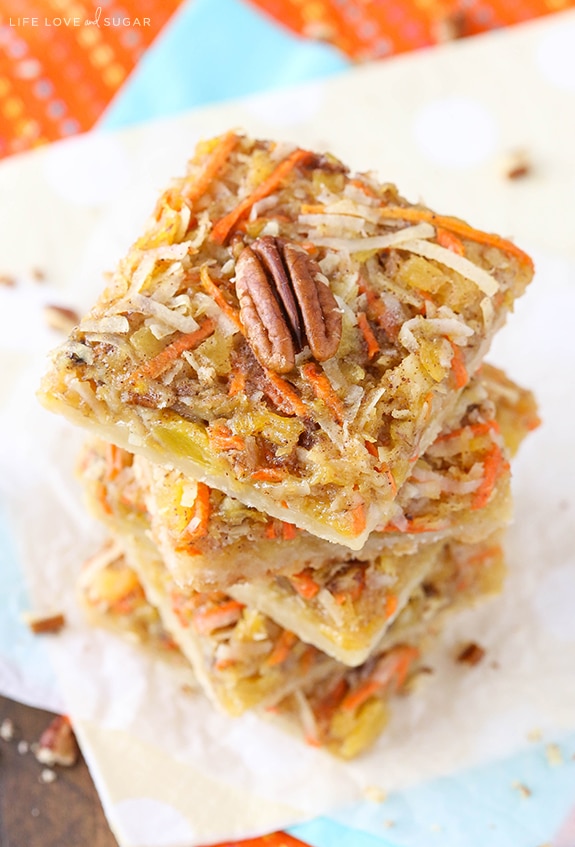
[521, 788]
[516, 164]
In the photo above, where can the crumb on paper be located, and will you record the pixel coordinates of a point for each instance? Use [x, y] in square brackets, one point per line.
[38, 275]
[554, 755]
[23, 747]
[449, 27]
[47, 776]
[521, 788]
[471, 654]
[374, 793]
[61, 318]
[534, 735]
[35, 812]
[58, 745]
[41, 624]
[7, 729]
[516, 164]
[389, 824]
[7, 281]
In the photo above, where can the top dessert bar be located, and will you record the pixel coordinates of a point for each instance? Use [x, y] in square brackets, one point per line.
[289, 333]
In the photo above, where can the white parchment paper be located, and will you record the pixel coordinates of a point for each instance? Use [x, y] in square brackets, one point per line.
[165, 763]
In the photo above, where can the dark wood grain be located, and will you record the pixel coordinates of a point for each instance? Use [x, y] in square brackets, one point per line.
[65, 813]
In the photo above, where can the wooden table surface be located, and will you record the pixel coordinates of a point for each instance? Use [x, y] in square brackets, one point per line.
[64, 813]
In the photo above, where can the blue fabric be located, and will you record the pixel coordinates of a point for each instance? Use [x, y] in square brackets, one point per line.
[473, 808]
[215, 50]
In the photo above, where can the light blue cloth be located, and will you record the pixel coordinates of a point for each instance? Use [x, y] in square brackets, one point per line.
[215, 50]
[482, 807]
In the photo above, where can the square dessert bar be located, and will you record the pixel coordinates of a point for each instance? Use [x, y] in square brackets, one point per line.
[243, 659]
[209, 540]
[288, 333]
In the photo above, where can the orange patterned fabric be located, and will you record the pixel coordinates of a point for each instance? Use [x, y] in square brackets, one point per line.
[370, 29]
[275, 839]
[62, 61]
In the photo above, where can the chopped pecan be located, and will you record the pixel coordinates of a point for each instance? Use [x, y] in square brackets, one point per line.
[284, 304]
[40, 624]
[58, 745]
[471, 654]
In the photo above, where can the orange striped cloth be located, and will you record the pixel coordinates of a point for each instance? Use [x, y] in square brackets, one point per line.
[62, 61]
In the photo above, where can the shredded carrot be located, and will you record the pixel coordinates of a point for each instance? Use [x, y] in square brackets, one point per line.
[390, 605]
[411, 526]
[159, 364]
[216, 617]
[201, 513]
[370, 339]
[217, 158]
[492, 466]
[392, 482]
[363, 187]
[380, 314]
[270, 530]
[289, 398]
[354, 586]
[268, 475]
[323, 711]
[323, 390]
[391, 669]
[237, 383]
[224, 664]
[222, 228]
[371, 449]
[222, 438]
[304, 583]
[102, 497]
[282, 648]
[307, 659]
[449, 240]
[116, 460]
[458, 368]
[457, 226]
[358, 518]
[212, 289]
[289, 531]
[312, 209]
[475, 429]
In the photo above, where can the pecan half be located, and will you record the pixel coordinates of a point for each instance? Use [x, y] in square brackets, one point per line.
[284, 305]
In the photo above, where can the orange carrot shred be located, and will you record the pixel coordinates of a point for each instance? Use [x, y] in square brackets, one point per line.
[282, 648]
[159, 364]
[215, 617]
[457, 226]
[458, 368]
[358, 518]
[212, 289]
[222, 438]
[449, 240]
[391, 669]
[371, 449]
[390, 605]
[216, 161]
[116, 460]
[288, 396]
[492, 466]
[201, 513]
[475, 429]
[370, 339]
[379, 312]
[289, 531]
[268, 475]
[304, 583]
[270, 530]
[237, 383]
[323, 390]
[223, 227]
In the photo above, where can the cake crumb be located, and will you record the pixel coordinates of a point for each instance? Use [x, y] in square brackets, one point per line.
[534, 735]
[35, 812]
[7, 730]
[41, 624]
[554, 755]
[7, 281]
[374, 793]
[521, 788]
[389, 824]
[47, 776]
[61, 318]
[23, 747]
[471, 654]
[516, 164]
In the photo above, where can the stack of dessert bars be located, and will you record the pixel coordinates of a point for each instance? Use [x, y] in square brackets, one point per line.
[299, 454]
